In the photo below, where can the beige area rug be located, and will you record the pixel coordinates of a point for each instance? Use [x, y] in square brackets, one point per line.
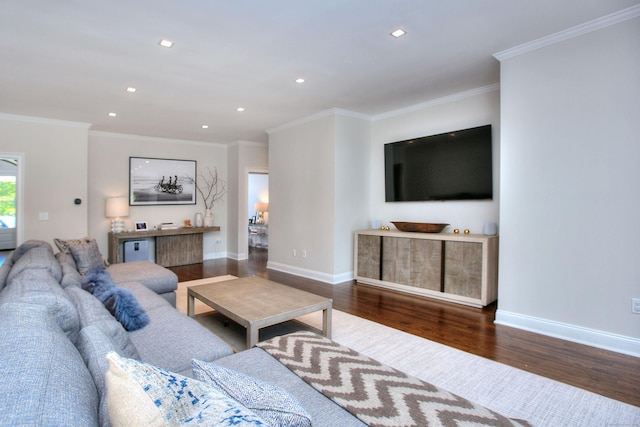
[507, 390]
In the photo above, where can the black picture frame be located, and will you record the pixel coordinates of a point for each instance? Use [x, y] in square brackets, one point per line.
[154, 181]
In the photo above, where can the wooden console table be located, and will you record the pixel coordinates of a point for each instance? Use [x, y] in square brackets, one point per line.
[173, 247]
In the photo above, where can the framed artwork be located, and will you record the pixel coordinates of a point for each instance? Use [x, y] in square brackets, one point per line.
[161, 181]
[141, 226]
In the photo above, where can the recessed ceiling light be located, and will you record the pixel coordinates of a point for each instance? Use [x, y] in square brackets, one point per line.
[131, 89]
[205, 126]
[240, 109]
[300, 80]
[112, 114]
[398, 33]
[166, 43]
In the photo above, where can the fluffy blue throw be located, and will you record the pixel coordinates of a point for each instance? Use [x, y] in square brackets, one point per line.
[119, 301]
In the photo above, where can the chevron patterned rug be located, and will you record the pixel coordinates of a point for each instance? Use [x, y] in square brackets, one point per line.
[378, 395]
[509, 391]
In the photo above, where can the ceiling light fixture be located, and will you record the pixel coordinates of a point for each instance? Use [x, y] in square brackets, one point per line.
[112, 114]
[166, 43]
[240, 109]
[300, 80]
[131, 89]
[398, 33]
[205, 126]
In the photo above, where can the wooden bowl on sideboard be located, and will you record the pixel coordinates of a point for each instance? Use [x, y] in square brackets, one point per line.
[419, 227]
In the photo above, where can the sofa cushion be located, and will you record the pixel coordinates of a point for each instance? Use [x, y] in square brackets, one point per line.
[43, 379]
[70, 274]
[91, 312]
[274, 404]
[36, 258]
[153, 276]
[120, 302]
[94, 346]
[28, 245]
[142, 394]
[167, 325]
[37, 286]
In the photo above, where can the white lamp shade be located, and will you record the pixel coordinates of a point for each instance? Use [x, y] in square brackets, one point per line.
[261, 207]
[116, 207]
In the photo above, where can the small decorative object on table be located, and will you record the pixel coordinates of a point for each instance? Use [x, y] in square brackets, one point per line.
[198, 220]
[187, 223]
[211, 189]
[420, 227]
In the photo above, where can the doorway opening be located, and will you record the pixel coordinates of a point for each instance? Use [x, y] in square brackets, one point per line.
[8, 203]
[258, 214]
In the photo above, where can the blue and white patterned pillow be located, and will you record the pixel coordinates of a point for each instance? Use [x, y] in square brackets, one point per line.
[273, 403]
[139, 394]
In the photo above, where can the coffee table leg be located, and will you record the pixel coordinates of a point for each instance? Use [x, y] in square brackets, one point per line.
[326, 322]
[190, 304]
[253, 333]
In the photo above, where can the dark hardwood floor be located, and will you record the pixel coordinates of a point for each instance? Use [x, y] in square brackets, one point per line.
[469, 329]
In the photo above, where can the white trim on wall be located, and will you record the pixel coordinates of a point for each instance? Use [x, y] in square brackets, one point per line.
[311, 274]
[565, 331]
[578, 30]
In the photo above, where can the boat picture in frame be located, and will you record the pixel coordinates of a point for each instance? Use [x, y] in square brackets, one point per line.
[161, 181]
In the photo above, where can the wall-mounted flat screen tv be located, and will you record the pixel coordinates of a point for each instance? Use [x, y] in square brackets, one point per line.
[450, 166]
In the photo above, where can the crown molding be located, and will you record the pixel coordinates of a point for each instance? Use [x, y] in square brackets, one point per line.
[439, 101]
[44, 121]
[578, 30]
[155, 138]
[321, 114]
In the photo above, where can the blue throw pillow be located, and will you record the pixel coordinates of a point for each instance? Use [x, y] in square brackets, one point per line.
[120, 302]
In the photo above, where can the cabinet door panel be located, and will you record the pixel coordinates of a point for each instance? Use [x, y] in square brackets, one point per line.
[463, 269]
[396, 260]
[426, 264]
[369, 256]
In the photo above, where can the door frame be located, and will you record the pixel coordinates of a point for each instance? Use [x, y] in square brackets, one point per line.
[20, 157]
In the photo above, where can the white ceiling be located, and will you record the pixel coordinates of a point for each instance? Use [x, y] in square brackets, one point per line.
[73, 59]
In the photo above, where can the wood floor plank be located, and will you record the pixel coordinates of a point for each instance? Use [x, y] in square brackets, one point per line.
[469, 329]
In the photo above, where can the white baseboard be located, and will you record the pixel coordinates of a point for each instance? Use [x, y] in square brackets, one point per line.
[565, 331]
[214, 255]
[311, 274]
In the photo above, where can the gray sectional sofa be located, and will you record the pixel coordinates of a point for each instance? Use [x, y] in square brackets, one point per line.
[54, 336]
[61, 349]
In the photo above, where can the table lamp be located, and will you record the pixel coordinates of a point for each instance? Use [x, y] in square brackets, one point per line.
[261, 208]
[117, 207]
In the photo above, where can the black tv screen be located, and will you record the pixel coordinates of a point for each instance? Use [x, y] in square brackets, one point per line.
[449, 166]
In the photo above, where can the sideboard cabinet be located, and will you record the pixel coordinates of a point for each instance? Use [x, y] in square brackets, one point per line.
[460, 268]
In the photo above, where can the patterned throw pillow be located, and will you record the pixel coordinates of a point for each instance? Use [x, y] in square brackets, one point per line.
[64, 246]
[86, 255]
[273, 403]
[139, 394]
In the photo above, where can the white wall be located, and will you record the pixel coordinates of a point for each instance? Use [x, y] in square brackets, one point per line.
[109, 177]
[466, 110]
[570, 234]
[55, 174]
[317, 192]
[246, 156]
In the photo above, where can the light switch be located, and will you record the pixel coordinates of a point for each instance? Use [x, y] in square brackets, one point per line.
[43, 216]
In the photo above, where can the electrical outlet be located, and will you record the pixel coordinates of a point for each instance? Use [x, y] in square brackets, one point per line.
[635, 305]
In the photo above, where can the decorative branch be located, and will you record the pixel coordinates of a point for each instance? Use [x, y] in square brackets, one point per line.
[212, 188]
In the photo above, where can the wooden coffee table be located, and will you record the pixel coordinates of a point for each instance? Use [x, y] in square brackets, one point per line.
[255, 303]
